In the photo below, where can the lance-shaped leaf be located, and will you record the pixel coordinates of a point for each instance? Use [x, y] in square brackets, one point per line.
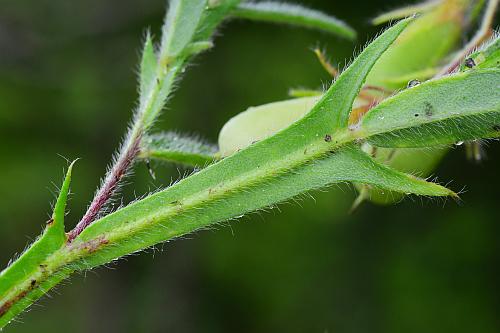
[180, 26]
[221, 191]
[406, 11]
[460, 107]
[353, 78]
[177, 148]
[279, 12]
[161, 216]
[149, 65]
[20, 273]
[228, 188]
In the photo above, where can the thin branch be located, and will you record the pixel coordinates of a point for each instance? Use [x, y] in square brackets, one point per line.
[109, 185]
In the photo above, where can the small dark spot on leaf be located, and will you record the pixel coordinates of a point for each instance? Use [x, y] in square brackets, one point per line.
[469, 63]
[305, 151]
[50, 222]
[416, 115]
[32, 283]
[429, 109]
[328, 138]
[175, 202]
[413, 83]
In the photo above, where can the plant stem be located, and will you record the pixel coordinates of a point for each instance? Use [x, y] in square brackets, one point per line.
[130, 148]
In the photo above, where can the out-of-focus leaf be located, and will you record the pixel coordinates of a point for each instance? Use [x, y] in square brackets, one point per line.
[406, 11]
[425, 44]
[180, 26]
[177, 148]
[281, 12]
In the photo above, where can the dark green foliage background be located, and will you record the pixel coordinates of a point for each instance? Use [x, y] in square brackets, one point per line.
[67, 84]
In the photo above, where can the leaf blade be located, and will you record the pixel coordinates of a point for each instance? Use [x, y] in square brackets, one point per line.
[353, 78]
[280, 12]
[402, 12]
[345, 165]
[177, 148]
[180, 26]
[429, 114]
[148, 67]
[30, 261]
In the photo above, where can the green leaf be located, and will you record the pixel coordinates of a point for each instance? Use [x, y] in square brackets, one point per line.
[402, 81]
[161, 216]
[174, 147]
[182, 20]
[487, 56]
[216, 11]
[313, 152]
[406, 11]
[221, 191]
[56, 229]
[456, 108]
[279, 12]
[416, 161]
[21, 272]
[353, 78]
[426, 43]
[149, 65]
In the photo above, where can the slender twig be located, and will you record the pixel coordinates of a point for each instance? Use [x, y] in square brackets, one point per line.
[125, 160]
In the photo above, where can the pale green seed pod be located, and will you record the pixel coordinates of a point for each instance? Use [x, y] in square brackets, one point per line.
[421, 48]
[260, 122]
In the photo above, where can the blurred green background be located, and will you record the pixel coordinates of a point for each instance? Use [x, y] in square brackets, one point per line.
[67, 85]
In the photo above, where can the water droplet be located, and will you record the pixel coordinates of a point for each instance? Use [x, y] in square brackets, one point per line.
[413, 83]
[459, 143]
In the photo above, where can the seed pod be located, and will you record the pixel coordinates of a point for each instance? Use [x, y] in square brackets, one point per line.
[260, 122]
[422, 46]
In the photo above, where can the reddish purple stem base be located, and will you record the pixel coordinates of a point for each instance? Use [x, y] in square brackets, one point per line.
[108, 188]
